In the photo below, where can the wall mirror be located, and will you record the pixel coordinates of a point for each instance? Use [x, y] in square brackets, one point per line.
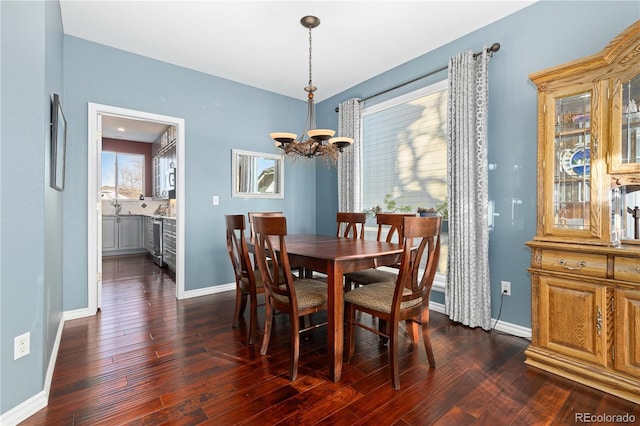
[257, 175]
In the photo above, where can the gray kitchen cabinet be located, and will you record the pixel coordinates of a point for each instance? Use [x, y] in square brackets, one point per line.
[164, 164]
[169, 243]
[148, 234]
[130, 233]
[122, 234]
[109, 233]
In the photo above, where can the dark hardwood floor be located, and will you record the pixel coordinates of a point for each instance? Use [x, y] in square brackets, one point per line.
[149, 359]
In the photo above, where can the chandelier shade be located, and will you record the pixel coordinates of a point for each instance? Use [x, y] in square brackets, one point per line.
[312, 142]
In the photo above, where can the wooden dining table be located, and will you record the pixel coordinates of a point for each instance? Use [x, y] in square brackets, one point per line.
[335, 256]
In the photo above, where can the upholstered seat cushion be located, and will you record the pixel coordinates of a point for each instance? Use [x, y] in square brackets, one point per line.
[378, 296]
[370, 276]
[309, 293]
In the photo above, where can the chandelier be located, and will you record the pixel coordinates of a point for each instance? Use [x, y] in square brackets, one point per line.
[312, 142]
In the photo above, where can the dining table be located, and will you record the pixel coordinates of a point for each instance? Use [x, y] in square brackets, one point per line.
[335, 256]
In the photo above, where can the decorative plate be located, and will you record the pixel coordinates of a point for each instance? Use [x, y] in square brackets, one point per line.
[576, 162]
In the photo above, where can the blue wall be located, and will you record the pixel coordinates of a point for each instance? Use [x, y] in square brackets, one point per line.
[43, 232]
[219, 115]
[545, 34]
[31, 211]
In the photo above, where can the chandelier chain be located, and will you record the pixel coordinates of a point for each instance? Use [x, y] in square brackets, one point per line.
[309, 56]
[312, 143]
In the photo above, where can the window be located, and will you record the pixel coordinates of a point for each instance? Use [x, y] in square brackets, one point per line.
[404, 147]
[122, 175]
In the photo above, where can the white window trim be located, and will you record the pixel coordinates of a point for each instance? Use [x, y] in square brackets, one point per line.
[440, 279]
[407, 97]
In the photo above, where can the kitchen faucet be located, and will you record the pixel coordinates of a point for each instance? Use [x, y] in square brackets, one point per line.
[117, 205]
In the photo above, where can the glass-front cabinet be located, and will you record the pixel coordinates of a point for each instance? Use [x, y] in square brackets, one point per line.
[569, 135]
[571, 190]
[585, 256]
[625, 136]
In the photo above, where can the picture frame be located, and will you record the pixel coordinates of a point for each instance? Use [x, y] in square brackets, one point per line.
[58, 144]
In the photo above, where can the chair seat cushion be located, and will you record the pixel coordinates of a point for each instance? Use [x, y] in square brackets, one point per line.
[370, 276]
[309, 293]
[378, 296]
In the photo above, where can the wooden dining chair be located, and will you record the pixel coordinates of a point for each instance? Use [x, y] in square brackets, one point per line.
[248, 282]
[405, 300]
[390, 229]
[252, 215]
[351, 225]
[295, 297]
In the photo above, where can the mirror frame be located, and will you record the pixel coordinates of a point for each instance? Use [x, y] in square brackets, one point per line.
[235, 156]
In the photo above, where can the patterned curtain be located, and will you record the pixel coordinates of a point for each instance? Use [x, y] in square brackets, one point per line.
[468, 296]
[350, 161]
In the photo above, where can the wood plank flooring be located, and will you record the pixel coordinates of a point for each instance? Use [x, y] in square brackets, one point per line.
[148, 359]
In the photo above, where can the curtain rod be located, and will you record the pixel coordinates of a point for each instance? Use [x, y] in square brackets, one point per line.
[493, 48]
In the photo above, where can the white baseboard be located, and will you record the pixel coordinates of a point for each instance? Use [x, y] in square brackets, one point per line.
[209, 290]
[40, 400]
[78, 313]
[25, 410]
[504, 327]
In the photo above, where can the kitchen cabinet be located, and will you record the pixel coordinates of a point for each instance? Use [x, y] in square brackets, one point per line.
[109, 233]
[585, 278]
[164, 164]
[122, 234]
[169, 243]
[148, 234]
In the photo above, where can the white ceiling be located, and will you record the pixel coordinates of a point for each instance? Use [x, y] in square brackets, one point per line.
[132, 130]
[262, 44]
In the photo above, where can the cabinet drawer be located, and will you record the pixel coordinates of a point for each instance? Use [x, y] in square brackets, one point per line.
[627, 269]
[170, 225]
[593, 265]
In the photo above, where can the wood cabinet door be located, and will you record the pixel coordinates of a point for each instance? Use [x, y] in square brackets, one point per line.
[627, 349]
[572, 181]
[625, 123]
[573, 318]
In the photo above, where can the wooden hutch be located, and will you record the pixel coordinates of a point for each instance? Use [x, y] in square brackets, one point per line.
[585, 262]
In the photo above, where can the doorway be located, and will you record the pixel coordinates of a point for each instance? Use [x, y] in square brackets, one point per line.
[96, 114]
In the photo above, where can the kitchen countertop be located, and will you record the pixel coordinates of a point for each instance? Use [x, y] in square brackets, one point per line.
[155, 216]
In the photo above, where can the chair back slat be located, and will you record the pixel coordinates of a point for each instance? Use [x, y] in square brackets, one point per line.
[273, 261]
[237, 248]
[252, 215]
[393, 223]
[350, 225]
[421, 238]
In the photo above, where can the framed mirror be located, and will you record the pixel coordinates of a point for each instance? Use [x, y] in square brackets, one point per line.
[257, 174]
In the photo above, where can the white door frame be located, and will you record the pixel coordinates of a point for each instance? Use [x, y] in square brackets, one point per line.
[96, 111]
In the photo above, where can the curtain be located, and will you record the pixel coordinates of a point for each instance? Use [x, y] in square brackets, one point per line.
[246, 174]
[350, 161]
[468, 295]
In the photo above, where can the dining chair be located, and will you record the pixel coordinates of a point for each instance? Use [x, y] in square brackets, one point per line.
[252, 215]
[405, 300]
[351, 225]
[390, 229]
[295, 297]
[248, 281]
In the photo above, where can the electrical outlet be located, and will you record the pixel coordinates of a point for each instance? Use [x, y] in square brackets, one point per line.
[21, 345]
[506, 288]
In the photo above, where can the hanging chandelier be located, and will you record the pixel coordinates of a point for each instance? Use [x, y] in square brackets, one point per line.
[312, 142]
